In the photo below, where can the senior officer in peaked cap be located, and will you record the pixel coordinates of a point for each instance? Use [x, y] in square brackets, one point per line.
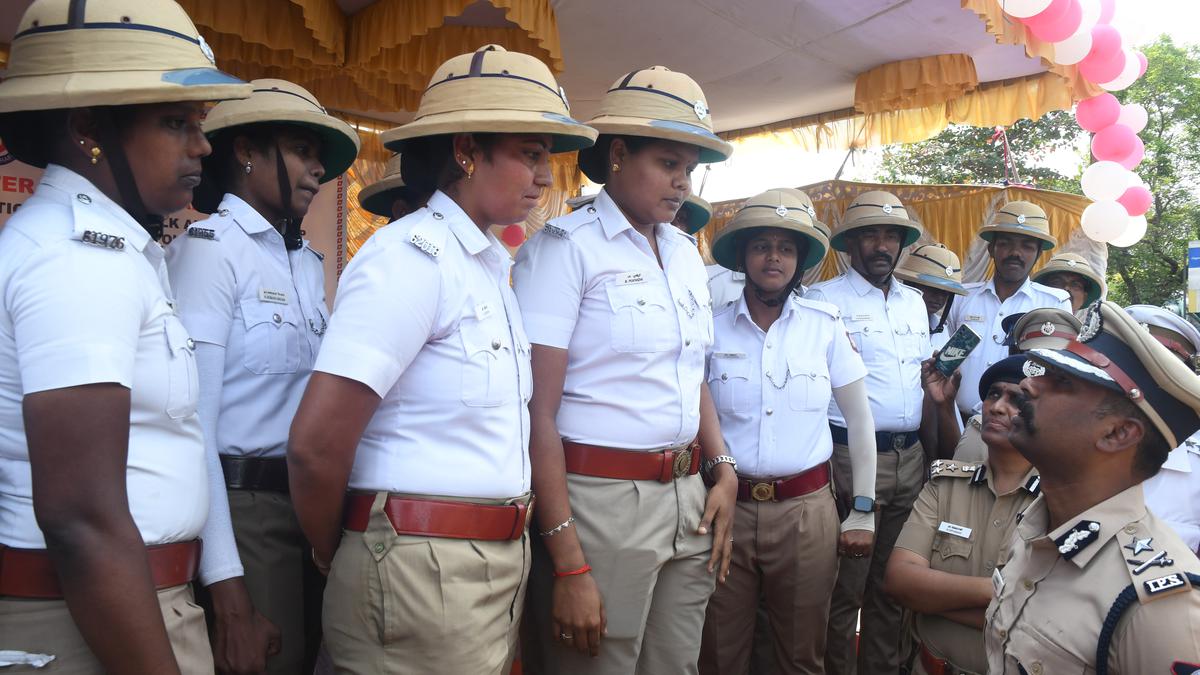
[389, 196]
[1072, 273]
[1096, 582]
[958, 532]
[1173, 494]
[1017, 234]
[889, 325]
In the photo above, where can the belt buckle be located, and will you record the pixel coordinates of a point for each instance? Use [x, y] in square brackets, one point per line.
[898, 441]
[763, 492]
[682, 462]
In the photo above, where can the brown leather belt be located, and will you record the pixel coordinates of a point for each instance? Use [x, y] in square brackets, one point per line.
[935, 666]
[29, 573]
[803, 483]
[441, 518]
[663, 466]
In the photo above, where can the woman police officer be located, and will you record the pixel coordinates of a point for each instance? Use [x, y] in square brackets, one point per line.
[252, 295]
[418, 402]
[616, 302]
[103, 493]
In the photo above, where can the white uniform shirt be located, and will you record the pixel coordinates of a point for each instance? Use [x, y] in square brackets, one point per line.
[1173, 494]
[86, 300]
[772, 389]
[636, 334]
[892, 335]
[241, 289]
[425, 317]
[937, 340]
[982, 310]
[725, 285]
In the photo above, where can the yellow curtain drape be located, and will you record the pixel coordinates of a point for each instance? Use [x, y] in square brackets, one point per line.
[915, 83]
[308, 31]
[950, 214]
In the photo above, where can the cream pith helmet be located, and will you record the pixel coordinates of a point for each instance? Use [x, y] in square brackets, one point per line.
[699, 212]
[1074, 263]
[657, 102]
[282, 102]
[378, 196]
[77, 53]
[932, 265]
[784, 208]
[493, 90]
[1020, 218]
[874, 208]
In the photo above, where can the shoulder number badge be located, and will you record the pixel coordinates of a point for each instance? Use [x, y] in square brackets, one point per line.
[104, 240]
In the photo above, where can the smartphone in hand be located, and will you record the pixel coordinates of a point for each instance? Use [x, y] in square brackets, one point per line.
[957, 348]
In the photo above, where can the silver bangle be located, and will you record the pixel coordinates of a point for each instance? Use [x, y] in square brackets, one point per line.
[559, 528]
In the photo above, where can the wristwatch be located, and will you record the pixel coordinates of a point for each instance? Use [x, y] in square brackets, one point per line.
[710, 464]
[863, 504]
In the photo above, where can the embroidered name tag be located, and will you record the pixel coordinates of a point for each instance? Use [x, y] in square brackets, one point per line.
[861, 317]
[997, 582]
[729, 355]
[956, 530]
[268, 295]
[631, 278]
[973, 317]
[483, 311]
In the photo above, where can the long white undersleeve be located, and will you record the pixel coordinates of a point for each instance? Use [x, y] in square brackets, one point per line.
[219, 558]
[860, 431]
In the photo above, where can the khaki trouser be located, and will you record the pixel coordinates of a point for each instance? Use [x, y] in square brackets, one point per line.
[651, 567]
[785, 553]
[403, 604]
[898, 479]
[46, 627]
[274, 553]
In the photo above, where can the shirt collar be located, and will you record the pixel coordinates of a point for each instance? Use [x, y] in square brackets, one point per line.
[76, 188]
[861, 286]
[1081, 537]
[612, 219]
[249, 219]
[1025, 289]
[743, 309]
[459, 223]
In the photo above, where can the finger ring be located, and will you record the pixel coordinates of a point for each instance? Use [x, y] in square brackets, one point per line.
[566, 636]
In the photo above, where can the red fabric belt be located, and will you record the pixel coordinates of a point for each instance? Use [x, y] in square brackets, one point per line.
[29, 572]
[663, 466]
[441, 518]
[784, 488]
[935, 666]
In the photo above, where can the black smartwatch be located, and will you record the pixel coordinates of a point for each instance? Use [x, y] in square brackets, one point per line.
[863, 504]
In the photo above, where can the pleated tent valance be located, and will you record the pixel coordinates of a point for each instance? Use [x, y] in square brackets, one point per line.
[915, 83]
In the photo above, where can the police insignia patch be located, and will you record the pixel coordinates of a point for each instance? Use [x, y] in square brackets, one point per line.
[1164, 584]
[1093, 323]
[1047, 328]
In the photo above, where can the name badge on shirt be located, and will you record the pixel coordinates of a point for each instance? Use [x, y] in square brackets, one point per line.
[268, 295]
[956, 530]
[631, 278]
[861, 317]
[729, 355]
[483, 311]
[973, 317]
[997, 582]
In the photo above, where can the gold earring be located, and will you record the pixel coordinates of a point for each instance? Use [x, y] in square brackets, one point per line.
[470, 170]
[95, 154]
[616, 167]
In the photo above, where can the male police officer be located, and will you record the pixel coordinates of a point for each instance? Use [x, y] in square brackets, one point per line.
[1096, 582]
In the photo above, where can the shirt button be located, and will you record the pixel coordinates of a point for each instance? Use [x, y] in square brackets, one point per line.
[83, 199]
[687, 342]
[990, 565]
[1130, 529]
[495, 344]
[1036, 668]
[276, 318]
[1003, 633]
[996, 523]
[191, 344]
[641, 301]
[437, 216]
[724, 376]
[768, 345]
[1027, 584]
[379, 548]
[224, 213]
[770, 411]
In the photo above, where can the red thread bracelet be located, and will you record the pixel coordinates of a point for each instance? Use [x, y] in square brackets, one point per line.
[582, 570]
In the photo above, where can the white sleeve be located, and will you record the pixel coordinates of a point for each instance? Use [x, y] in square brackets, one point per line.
[205, 287]
[548, 281]
[844, 362]
[77, 312]
[384, 313]
[219, 558]
[860, 426]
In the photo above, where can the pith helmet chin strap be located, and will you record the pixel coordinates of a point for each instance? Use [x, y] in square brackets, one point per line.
[118, 164]
[292, 240]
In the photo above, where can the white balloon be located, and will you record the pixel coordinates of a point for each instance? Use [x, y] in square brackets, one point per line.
[1104, 181]
[1127, 76]
[1104, 221]
[1133, 115]
[1073, 49]
[1091, 15]
[1023, 9]
[1134, 231]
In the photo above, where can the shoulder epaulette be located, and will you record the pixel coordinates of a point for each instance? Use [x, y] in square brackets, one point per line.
[103, 240]
[563, 226]
[202, 233]
[320, 256]
[1050, 290]
[948, 468]
[819, 305]
[689, 237]
[429, 234]
[556, 231]
[720, 310]
[976, 421]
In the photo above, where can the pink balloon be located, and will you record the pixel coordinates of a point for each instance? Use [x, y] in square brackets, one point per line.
[1113, 143]
[1136, 200]
[1106, 41]
[1098, 112]
[1060, 26]
[1142, 63]
[1136, 156]
[1107, 9]
[1100, 69]
[513, 235]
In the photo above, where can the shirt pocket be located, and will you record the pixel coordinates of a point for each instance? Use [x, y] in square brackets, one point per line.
[729, 381]
[913, 339]
[183, 382]
[272, 343]
[808, 386]
[642, 318]
[950, 546]
[487, 371]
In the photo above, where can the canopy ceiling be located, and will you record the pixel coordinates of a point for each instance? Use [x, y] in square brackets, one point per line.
[759, 61]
